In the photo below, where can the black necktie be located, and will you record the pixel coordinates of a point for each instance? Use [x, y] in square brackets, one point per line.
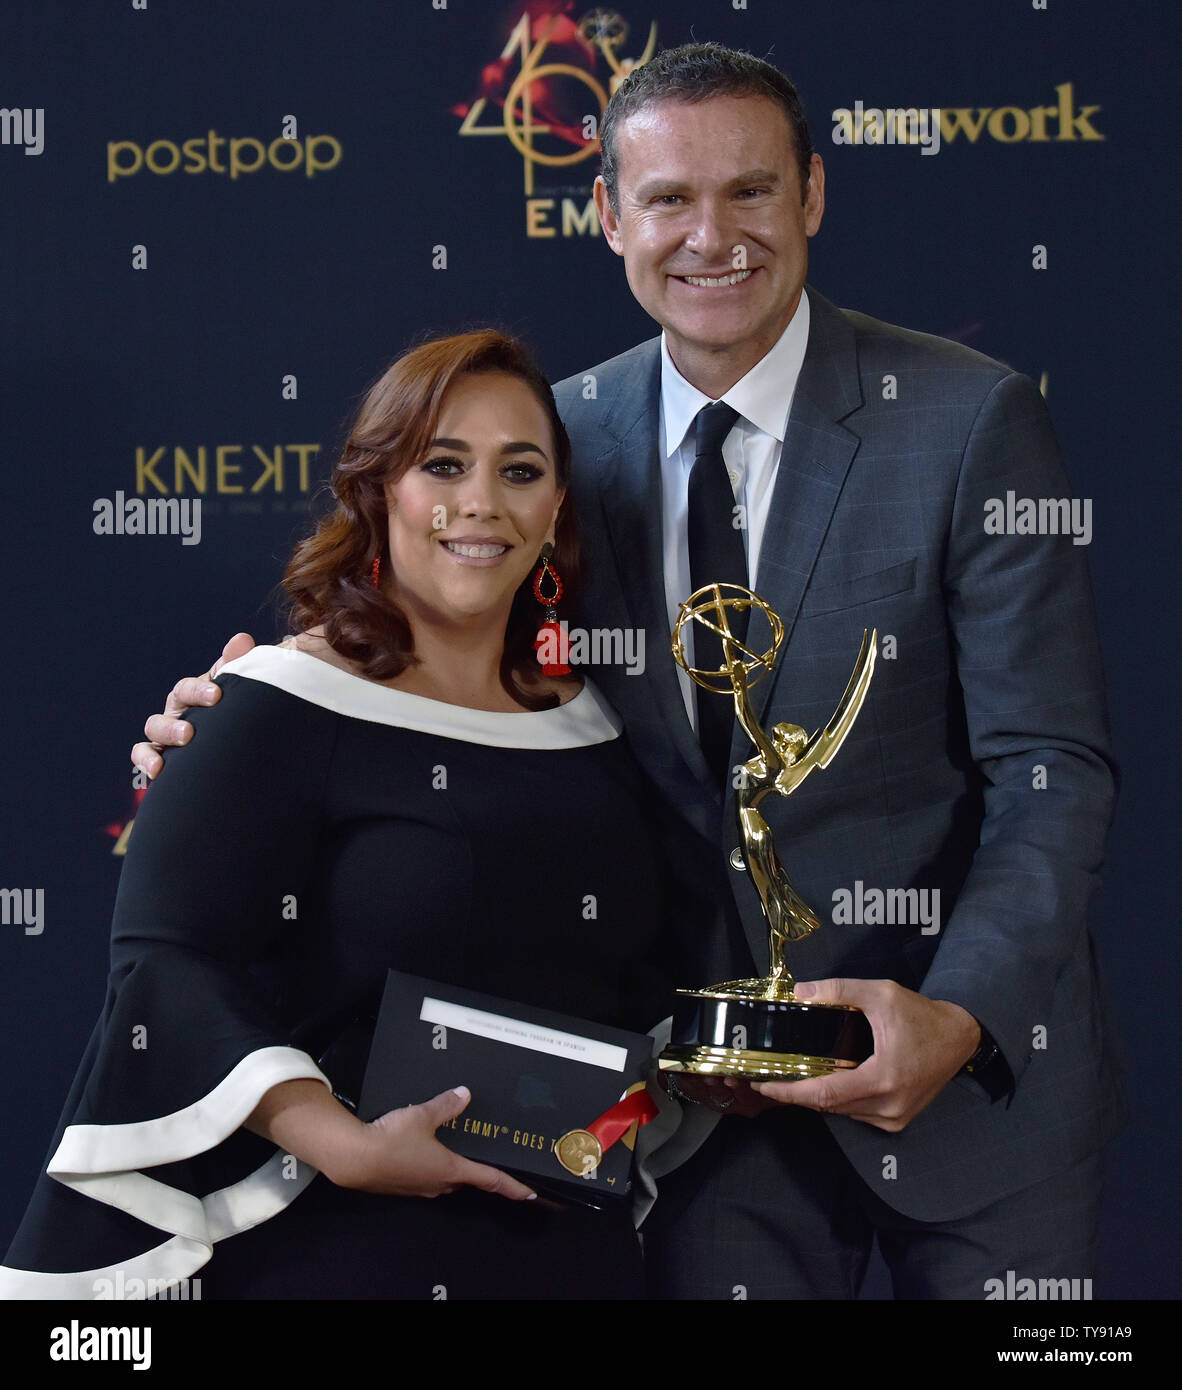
[718, 555]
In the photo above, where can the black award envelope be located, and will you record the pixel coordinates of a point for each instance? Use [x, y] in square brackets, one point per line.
[539, 1080]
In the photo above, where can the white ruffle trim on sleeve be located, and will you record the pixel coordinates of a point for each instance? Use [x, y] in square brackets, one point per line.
[103, 1162]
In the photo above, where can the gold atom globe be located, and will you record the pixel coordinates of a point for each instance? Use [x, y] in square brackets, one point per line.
[711, 606]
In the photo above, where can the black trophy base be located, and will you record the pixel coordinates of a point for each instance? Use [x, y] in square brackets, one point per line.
[760, 1039]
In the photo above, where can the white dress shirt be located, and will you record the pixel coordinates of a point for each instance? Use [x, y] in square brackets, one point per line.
[751, 452]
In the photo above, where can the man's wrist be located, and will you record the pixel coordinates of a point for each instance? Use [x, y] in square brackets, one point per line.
[989, 1068]
[964, 1034]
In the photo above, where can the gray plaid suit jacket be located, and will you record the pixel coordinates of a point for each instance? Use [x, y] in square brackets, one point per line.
[994, 690]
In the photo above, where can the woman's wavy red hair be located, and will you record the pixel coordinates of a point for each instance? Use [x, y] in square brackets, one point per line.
[329, 577]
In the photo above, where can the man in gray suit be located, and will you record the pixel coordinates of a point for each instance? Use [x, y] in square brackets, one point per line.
[853, 475]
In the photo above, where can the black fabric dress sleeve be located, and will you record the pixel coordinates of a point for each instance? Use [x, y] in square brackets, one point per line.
[149, 1166]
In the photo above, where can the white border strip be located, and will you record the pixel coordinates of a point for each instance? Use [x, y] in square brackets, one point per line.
[103, 1162]
[587, 719]
[517, 1033]
[191, 1130]
[255, 1199]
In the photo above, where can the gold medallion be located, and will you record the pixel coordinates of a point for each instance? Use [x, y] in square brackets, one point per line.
[579, 1152]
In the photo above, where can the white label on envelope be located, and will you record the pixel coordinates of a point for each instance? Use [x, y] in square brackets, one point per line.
[520, 1034]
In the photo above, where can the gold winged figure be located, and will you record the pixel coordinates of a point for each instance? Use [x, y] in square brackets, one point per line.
[780, 764]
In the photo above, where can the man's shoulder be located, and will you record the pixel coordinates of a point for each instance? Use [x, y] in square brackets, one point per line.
[604, 377]
[879, 344]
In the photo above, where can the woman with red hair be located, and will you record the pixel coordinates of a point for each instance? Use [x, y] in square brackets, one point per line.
[403, 785]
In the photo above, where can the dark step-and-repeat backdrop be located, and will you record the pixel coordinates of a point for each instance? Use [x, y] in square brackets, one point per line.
[219, 220]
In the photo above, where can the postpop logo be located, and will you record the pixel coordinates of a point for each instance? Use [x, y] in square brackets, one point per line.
[232, 156]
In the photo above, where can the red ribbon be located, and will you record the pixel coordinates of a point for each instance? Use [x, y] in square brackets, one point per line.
[637, 1108]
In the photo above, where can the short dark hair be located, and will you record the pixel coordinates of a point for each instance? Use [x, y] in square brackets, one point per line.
[695, 72]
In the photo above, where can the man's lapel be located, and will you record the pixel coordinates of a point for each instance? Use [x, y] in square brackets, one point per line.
[814, 461]
[630, 489]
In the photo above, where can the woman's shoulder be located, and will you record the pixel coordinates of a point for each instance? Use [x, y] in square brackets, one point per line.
[262, 700]
[282, 666]
[307, 668]
[535, 684]
[314, 644]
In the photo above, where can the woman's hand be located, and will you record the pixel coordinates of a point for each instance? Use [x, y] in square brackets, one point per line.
[398, 1155]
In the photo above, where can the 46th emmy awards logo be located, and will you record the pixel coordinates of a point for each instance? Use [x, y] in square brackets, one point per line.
[551, 106]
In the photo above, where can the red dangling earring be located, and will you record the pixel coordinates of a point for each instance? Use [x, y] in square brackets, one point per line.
[376, 569]
[551, 635]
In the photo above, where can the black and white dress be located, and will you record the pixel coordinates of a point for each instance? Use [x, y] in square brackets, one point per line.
[319, 830]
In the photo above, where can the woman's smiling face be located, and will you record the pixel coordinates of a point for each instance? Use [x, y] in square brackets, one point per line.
[467, 522]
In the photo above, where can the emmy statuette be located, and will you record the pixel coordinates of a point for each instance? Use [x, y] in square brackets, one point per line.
[758, 1029]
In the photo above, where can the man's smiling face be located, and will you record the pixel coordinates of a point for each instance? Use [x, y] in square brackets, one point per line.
[712, 228]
